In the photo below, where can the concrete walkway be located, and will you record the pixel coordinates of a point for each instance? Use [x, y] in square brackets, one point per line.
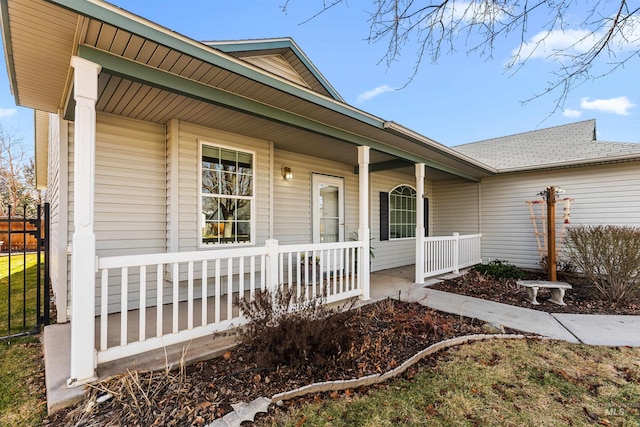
[518, 318]
[603, 330]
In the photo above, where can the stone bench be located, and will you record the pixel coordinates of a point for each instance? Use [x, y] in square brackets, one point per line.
[557, 290]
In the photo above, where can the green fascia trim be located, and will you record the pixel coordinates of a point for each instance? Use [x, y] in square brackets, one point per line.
[205, 54]
[8, 52]
[385, 166]
[144, 74]
[70, 107]
[240, 46]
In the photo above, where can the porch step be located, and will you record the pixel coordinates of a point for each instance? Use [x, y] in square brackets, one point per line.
[56, 342]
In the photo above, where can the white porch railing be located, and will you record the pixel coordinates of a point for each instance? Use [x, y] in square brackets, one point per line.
[328, 270]
[162, 299]
[445, 254]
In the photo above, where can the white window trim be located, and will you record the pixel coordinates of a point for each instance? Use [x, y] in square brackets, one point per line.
[399, 239]
[220, 144]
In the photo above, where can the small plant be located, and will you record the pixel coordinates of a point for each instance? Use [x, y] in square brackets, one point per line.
[282, 331]
[500, 269]
[610, 258]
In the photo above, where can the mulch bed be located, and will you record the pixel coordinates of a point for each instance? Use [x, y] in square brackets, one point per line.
[388, 333]
[583, 298]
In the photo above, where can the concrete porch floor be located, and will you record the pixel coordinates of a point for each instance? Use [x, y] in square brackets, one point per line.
[57, 339]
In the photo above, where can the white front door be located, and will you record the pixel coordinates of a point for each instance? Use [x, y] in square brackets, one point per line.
[328, 208]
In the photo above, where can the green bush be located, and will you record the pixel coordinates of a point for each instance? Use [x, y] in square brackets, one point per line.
[610, 258]
[500, 269]
[282, 331]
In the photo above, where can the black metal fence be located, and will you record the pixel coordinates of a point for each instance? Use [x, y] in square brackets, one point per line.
[24, 271]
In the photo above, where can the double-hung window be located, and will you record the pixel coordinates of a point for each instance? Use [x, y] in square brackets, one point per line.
[227, 195]
[402, 212]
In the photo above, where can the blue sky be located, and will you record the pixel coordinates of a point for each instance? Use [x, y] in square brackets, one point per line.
[462, 98]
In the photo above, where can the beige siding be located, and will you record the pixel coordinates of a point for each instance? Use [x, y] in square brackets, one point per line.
[292, 199]
[606, 194]
[57, 198]
[188, 162]
[129, 189]
[277, 65]
[455, 207]
[396, 252]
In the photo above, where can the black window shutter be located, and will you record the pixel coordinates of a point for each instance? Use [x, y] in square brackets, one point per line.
[426, 217]
[384, 216]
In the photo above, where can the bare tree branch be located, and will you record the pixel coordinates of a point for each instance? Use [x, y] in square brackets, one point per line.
[431, 28]
[17, 173]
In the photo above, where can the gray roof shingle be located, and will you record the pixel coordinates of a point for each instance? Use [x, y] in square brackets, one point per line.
[573, 143]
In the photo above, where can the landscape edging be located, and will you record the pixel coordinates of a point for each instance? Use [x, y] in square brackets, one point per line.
[368, 380]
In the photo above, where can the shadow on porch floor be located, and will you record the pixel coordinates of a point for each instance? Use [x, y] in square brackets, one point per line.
[57, 339]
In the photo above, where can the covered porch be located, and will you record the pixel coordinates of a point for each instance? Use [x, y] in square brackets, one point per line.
[132, 110]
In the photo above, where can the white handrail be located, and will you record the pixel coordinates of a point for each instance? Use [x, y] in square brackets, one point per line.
[192, 293]
[445, 254]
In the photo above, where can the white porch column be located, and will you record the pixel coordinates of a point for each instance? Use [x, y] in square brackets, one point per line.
[363, 228]
[83, 255]
[420, 175]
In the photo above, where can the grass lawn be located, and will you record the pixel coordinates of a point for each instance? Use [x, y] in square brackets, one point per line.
[22, 395]
[506, 383]
[19, 322]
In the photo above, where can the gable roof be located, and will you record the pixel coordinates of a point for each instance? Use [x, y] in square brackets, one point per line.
[250, 50]
[153, 74]
[559, 146]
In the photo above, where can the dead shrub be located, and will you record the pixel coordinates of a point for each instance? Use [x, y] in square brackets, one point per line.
[283, 331]
[610, 258]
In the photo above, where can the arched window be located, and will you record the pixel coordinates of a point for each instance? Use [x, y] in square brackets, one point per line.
[402, 212]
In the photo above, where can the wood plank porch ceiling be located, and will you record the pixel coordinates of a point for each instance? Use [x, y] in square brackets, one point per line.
[52, 35]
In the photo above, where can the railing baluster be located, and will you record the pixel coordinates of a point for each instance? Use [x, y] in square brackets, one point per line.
[340, 269]
[334, 270]
[159, 295]
[176, 296]
[143, 303]
[104, 308]
[230, 289]
[290, 270]
[217, 292]
[203, 293]
[241, 281]
[347, 270]
[252, 279]
[313, 272]
[124, 299]
[298, 276]
[263, 272]
[280, 269]
[307, 267]
[190, 295]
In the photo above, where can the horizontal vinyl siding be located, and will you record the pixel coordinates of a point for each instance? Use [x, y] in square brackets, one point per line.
[56, 196]
[292, 199]
[277, 65]
[607, 194]
[455, 207]
[188, 151]
[129, 193]
[392, 253]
